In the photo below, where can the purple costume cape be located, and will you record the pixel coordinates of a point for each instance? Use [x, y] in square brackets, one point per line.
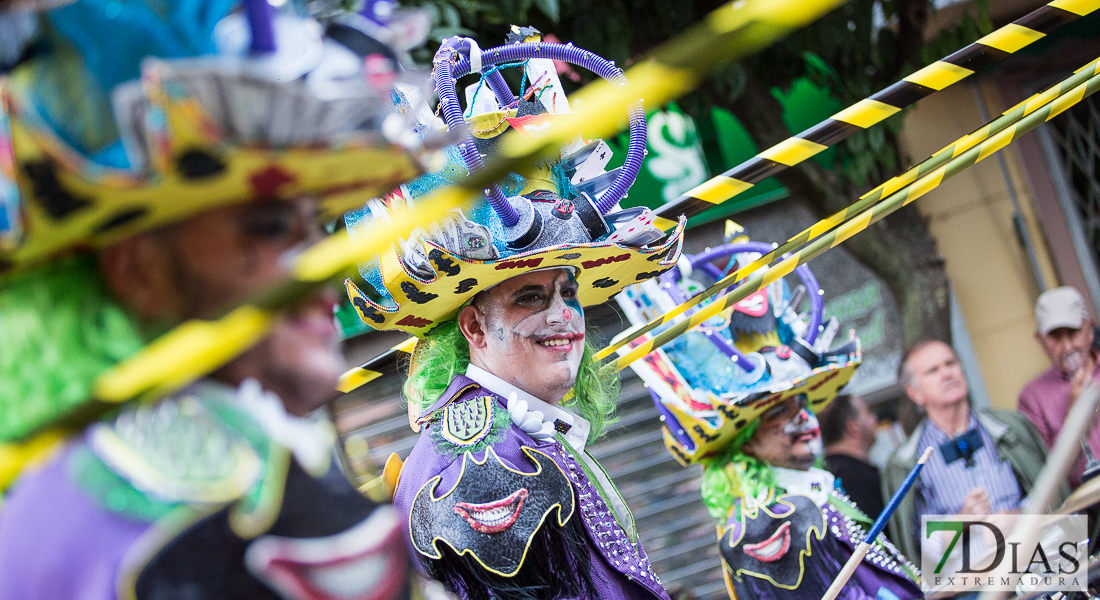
[81, 529]
[620, 568]
[71, 551]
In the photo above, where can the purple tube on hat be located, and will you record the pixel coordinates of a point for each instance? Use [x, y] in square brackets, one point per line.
[260, 17]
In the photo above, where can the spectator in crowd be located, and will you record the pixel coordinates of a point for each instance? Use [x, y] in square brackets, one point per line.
[1065, 331]
[984, 462]
[848, 430]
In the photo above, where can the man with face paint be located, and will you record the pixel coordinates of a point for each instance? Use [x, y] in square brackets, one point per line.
[503, 499]
[738, 396]
[791, 506]
[115, 231]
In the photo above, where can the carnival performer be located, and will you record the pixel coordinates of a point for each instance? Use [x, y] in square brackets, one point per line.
[502, 497]
[162, 163]
[738, 395]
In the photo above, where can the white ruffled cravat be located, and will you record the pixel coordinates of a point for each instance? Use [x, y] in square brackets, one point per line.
[816, 484]
[534, 416]
[310, 440]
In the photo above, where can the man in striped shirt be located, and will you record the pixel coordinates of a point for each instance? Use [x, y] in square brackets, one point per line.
[985, 461]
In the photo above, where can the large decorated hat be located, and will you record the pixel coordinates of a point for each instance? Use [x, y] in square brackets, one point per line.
[133, 115]
[712, 382]
[563, 213]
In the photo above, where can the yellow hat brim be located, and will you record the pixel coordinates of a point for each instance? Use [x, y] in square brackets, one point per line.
[713, 429]
[602, 270]
[67, 201]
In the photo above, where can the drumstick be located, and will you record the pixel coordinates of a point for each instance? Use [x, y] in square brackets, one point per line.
[880, 524]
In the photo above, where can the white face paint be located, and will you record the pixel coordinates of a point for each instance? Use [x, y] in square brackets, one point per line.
[534, 333]
[803, 427]
[788, 436]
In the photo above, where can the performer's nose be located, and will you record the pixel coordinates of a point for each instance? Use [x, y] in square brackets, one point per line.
[558, 311]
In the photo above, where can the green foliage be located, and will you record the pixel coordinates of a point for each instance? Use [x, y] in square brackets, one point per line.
[475, 18]
[971, 27]
[854, 52]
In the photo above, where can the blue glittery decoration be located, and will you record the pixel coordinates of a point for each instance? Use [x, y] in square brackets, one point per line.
[357, 222]
[706, 367]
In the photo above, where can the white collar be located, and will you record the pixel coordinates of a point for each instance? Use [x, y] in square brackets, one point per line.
[816, 484]
[577, 435]
[311, 438]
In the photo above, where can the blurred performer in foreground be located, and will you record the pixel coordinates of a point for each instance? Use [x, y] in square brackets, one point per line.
[738, 395]
[160, 163]
[503, 499]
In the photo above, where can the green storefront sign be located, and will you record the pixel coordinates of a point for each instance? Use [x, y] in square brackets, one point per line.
[677, 161]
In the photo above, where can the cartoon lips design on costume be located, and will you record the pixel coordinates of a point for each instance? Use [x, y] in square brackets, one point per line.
[492, 510]
[363, 562]
[754, 305]
[773, 541]
[493, 517]
[773, 548]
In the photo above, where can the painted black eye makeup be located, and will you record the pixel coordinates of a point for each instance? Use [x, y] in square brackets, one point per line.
[775, 413]
[270, 225]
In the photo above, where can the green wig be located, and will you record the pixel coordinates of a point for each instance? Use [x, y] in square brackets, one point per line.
[60, 330]
[446, 353]
[733, 475]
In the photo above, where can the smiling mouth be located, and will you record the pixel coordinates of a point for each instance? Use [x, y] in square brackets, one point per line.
[773, 548]
[805, 436]
[495, 516]
[558, 341]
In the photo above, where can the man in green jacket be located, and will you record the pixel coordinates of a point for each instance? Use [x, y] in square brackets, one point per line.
[985, 462]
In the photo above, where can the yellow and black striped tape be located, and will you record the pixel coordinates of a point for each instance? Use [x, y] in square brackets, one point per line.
[193, 349]
[871, 111]
[1007, 119]
[367, 372]
[907, 194]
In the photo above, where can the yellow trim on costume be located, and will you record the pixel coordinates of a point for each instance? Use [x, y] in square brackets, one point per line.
[391, 473]
[445, 427]
[134, 466]
[250, 521]
[15, 458]
[153, 540]
[530, 452]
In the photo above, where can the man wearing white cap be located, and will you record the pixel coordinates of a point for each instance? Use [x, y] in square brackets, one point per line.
[1065, 330]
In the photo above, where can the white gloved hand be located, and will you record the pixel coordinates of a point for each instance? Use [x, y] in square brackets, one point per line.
[530, 421]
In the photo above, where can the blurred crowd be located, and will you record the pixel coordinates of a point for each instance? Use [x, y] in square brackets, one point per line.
[985, 461]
